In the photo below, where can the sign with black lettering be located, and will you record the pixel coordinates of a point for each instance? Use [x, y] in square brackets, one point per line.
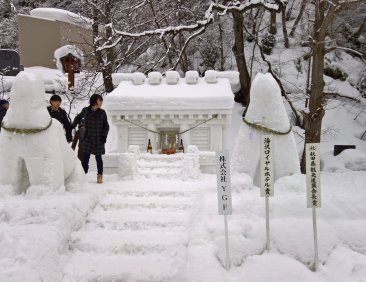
[267, 171]
[223, 182]
[313, 175]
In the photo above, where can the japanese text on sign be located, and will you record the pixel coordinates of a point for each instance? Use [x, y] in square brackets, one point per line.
[267, 172]
[313, 175]
[223, 183]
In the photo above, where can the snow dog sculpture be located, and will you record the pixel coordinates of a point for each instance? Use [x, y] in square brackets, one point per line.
[265, 111]
[34, 155]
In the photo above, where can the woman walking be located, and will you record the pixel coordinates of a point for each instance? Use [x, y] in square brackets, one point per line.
[96, 131]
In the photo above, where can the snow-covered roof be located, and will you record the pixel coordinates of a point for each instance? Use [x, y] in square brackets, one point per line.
[155, 93]
[62, 16]
[64, 51]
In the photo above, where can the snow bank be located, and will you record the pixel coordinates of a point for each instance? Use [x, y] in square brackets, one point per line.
[266, 109]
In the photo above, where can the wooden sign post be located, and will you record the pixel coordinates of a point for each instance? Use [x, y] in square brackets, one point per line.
[313, 189]
[224, 194]
[267, 177]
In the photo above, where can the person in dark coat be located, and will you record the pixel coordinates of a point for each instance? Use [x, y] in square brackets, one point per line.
[96, 131]
[4, 105]
[60, 114]
[79, 138]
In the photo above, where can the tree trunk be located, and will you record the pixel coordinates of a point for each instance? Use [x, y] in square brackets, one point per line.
[284, 28]
[243, 96]
[313, 119]
[302, 9]
[108, 65]
[361, 30]
[221, 42]
[273, 27]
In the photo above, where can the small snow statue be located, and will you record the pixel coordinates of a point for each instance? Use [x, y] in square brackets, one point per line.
[172, 77]
[211, 76]
[34, 155]
[265, 111]
[138, 78]
[191, 77]
[64, 51]
[154, 78]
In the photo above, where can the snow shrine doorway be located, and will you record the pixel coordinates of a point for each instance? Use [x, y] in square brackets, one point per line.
[169, 140]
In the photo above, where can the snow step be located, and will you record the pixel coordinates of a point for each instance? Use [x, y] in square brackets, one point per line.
[129, 242]
[137, 226]
[100, 267]
[145, 194]
[121, 216]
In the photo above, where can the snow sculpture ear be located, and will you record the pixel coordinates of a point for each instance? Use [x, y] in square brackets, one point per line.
[191, 77]
[154, 78]
[138, 78]
[211, 76]
[172, 77]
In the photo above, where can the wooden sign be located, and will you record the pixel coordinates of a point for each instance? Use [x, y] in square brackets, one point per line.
[313, 175]
[267, 165]
[223, 183]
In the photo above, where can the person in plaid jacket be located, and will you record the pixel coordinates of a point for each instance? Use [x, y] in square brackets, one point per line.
[96, 132]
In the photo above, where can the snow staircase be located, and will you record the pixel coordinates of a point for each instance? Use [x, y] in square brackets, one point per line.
[138, 232]
[158, 165]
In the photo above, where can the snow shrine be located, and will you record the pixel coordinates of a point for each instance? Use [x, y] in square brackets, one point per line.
[170, 111]
[166, 110]
[266, 113]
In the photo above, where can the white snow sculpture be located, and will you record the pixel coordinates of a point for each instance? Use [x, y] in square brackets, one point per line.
[211, 76]
[154, 78]
[40, 160]
[191, 77]
[64, 51]
[265, 109]
[138, 78]
[172, 77]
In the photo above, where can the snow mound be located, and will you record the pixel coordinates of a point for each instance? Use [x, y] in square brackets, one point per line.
[347, 160]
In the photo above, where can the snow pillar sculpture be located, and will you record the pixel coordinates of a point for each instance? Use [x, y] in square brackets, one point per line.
[266, 113]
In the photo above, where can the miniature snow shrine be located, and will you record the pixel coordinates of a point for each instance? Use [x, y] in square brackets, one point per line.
[168, 110]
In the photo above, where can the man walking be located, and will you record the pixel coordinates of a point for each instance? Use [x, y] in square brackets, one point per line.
[96, 131]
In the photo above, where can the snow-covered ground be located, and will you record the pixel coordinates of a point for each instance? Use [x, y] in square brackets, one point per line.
[157, 229]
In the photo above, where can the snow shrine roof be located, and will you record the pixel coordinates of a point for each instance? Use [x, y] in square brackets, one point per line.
[171, 92]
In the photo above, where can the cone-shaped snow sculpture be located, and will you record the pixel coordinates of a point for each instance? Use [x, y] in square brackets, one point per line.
[34, 155]
[266, 110]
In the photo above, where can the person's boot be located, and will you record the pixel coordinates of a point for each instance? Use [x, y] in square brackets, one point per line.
[100, 178]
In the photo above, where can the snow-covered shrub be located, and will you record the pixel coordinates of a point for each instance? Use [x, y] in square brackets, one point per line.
[268, 42]
[335, 72]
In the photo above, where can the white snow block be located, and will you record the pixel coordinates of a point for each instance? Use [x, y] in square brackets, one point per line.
[267, 109]
[191, 166]
[127, 164]
[138, 78]
[211, 76]
[172, 77]
[192, 77]
[154, 78]
[40, 162]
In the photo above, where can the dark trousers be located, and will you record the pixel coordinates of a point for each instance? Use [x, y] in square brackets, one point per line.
[85, 162]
